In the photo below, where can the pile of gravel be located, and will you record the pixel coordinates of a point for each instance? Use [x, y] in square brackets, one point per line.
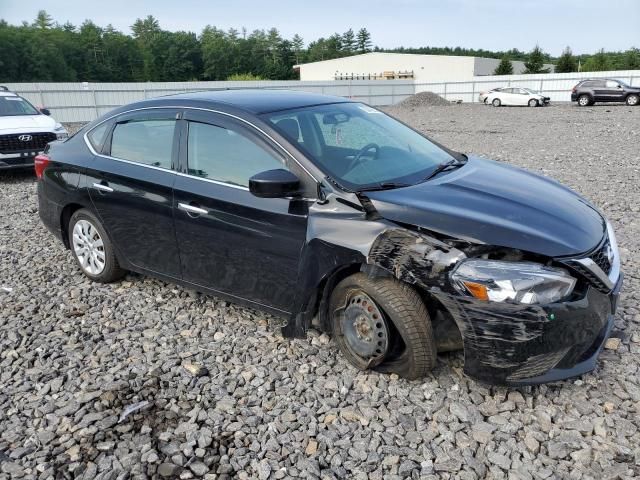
[424, 99]
[224, 396]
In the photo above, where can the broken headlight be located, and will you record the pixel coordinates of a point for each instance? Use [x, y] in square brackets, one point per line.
[521, 282]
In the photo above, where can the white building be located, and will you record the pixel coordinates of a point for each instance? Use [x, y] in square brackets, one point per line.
[422, 68]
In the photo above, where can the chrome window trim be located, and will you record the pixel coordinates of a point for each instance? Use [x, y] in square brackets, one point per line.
[231, 185]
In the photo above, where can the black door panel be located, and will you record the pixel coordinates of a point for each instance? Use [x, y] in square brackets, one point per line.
[230, 240]
[243, 246]
[137, 213]
[134, 199]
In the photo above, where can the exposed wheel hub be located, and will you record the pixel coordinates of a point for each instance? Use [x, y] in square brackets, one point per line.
[364, 328]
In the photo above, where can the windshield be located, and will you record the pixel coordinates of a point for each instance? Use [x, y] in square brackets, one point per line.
[359, 146]
[10, 106]
[531, 91]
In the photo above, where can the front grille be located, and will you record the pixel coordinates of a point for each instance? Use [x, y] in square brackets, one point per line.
[601, 258]
[13, 144]
[590, 277]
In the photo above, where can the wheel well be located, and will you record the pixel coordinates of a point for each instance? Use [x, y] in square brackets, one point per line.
[65, 218]
[321, 307]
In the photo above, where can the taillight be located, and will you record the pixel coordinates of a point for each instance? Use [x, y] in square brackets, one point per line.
[40, 163]
[574, 89]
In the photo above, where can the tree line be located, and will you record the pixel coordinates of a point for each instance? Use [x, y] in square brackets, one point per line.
[46, 51]
[601, 61]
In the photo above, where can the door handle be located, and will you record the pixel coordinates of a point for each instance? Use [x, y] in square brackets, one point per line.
[102, 188]
[191, 209]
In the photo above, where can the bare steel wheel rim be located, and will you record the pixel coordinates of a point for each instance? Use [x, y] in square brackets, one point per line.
[364, 328]
[88, 247]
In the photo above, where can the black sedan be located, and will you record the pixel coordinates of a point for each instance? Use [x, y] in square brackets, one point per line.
[332, 214]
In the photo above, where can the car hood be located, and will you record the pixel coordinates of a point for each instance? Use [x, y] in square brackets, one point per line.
[497, 204]
[26, 123]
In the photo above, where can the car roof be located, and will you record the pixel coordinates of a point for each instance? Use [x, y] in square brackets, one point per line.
[259, 101]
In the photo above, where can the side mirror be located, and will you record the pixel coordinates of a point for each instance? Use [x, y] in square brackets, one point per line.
[45, 111]
[278, 183]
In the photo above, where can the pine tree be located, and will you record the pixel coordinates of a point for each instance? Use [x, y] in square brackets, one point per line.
[567, 63]
[535, 61]
[597, 63]
[363, 41]
[297, 44]
[43, 20]
[349, 41]
[505, 67]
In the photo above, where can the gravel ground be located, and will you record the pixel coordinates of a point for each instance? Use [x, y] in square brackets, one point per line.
[225, 396]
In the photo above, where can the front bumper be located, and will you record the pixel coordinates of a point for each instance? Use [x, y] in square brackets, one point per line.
[508, 344]
[16, 161]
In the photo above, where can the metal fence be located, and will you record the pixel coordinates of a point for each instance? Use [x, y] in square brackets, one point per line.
[83, 102]
[555, 85]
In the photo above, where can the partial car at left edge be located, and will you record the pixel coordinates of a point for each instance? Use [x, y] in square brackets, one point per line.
[24, 131]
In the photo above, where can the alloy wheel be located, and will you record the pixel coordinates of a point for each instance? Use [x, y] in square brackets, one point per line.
[632, 100]
[583, 101]
[88, 247]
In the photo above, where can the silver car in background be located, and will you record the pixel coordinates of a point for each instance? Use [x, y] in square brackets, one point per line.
[519, 96]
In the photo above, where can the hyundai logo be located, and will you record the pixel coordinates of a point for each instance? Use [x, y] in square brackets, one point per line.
[25, 138]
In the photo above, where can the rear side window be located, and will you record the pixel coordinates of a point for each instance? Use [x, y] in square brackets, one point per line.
[97, 136]
[226, 155]
[148, 142]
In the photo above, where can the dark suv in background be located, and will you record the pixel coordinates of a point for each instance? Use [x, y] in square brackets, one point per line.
[592, 90]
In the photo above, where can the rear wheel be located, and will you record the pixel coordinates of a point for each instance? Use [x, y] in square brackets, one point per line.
[92, 248]
[632, 100]
[533, 102]
[496, 102]
[584, 100]
[382, 323]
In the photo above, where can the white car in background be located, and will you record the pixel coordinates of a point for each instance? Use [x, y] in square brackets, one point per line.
[516, 96]
[24, 131]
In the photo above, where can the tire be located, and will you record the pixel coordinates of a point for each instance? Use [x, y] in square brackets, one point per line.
[410, 348]
[92, 248]
[533, 102]
[584, 101]
[496, 102]
[632, 100]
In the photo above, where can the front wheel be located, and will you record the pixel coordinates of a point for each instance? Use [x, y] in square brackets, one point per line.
[632, 100]
[382, 323]
[533, 102]
[496, 102]
[92, 248]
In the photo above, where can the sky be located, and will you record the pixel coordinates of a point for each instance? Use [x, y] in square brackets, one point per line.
[487, 24]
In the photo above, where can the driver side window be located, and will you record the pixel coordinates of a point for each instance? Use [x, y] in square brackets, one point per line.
[226, 155]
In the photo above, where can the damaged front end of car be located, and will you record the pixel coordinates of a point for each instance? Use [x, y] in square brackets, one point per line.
[522, 318]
